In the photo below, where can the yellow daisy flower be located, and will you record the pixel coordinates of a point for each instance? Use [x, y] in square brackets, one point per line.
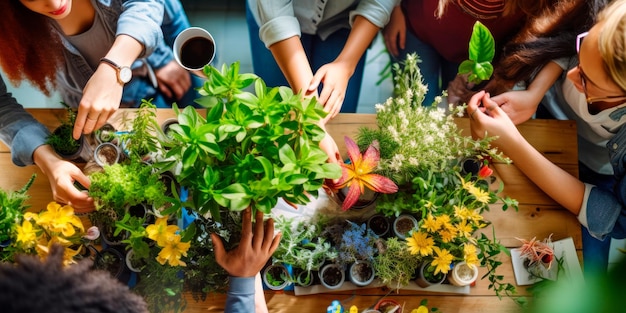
[470, 256]
[420, 243]
[442, 260]
[430, 224]
[26, 234]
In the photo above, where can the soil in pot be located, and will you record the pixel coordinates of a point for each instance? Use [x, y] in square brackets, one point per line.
[332, 276]
[403, 225]
[361, 273]
[379, 224]
[67, 147]
[106, 154]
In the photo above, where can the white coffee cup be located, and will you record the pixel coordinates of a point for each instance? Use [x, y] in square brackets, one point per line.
[194, 48]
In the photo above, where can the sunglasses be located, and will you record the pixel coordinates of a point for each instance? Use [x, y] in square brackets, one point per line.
[584, 78]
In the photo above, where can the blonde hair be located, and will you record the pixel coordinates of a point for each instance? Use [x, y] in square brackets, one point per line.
[612, 41]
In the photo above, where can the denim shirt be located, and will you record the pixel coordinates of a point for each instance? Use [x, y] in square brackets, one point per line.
[18, 129]
[154, 23]
[604, 211]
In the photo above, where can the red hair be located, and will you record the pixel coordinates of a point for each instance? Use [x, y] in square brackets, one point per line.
[31, 48]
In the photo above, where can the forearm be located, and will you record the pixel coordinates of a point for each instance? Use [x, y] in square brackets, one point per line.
[544, 80]
[362, 34]
[45, 158]
[564, 188]
[125, 50]
[292, 60]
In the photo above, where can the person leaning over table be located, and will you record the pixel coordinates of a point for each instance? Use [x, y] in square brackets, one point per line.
[35, 286]
[600, 78]
[293, 39]
[85, 49]
[26, 138]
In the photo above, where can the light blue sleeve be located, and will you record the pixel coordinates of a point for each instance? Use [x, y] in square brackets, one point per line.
[18, 129]
[378, 12]
[276, 18]
[142, 19]
[240, 297]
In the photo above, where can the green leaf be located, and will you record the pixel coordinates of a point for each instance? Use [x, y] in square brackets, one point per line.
[482, 46]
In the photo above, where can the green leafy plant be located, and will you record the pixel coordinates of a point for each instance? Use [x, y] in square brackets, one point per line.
[13, 205]
[251, 148]
[302, 245]
[481, 52]
[61, 139]
[142, 136]
[394, 265]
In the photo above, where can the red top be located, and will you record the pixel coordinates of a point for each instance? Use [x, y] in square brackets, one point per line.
[450, 34]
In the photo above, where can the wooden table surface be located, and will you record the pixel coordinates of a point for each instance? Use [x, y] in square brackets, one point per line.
[538, 216]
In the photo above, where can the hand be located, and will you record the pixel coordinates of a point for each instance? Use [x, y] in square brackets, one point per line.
[174, 80]
[334, 76]
[101, 98]
[62, 175]
[329, 146]
[394, 32]
[253, 250]
[488, 120]
[517, 105]
[459, 90]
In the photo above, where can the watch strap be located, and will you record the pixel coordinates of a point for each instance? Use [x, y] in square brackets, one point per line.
[116, 67]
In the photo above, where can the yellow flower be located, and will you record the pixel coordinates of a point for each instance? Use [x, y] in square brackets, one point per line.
[481, 196]
[60, 219]
[443, 221]
[464, 230]
[475, 216]
[469, 255]
[462, 212]
[172, 251]
[26, 234]
[430, 224]
[447, 235]
[44, 246]
[442, 260]
[160, 231]
[420, 243]
[420, 309]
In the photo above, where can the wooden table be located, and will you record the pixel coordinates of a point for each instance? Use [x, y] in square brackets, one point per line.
[538, 216]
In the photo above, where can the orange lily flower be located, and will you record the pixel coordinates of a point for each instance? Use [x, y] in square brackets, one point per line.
[358, 174]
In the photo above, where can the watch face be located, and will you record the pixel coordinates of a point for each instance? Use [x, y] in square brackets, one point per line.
[125, 74]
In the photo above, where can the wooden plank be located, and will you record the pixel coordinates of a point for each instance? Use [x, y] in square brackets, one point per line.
[286, 303]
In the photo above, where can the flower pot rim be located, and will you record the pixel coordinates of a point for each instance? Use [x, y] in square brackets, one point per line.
[267, 283]
[456, 280]
[328, 266]
[401, 216]
[364, 282]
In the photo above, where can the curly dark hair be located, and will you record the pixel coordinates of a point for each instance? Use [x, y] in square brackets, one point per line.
[31, 285]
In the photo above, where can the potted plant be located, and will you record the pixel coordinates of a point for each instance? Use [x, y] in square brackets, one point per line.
[303, 247]
[403, 225]
[276, 276]
[13, 204]
[359, 179]
[537, 252]
[387, 305]
[251, 148]
[332, 276]
[429, 275]
[357, 250]
[379, 224]
[463, 274]
[447, 203]
[394, 265]
[112, 260]
[106, 133]
[62, 141]
[106, 153]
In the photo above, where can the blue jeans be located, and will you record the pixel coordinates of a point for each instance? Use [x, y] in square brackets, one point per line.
[436, 71]
[595, 251]
[318, 51]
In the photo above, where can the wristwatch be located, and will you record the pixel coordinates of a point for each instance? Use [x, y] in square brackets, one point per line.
[124, 73]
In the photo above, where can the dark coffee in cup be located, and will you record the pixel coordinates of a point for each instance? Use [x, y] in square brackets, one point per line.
[197, 52]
